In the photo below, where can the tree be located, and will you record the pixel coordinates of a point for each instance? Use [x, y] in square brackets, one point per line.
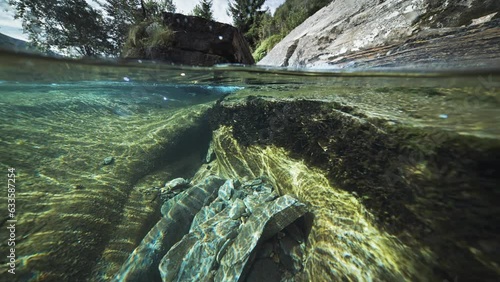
[154, 9]
[74, 27]
[123, 14]
[204, 9]
[246, 16]
[69, 25]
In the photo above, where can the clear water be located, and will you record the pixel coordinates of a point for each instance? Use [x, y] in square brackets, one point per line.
[59, 119]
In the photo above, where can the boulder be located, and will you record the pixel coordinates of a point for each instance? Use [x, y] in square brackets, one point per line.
[194, 41]
[347, 32]
[401, 191]
[209, 232]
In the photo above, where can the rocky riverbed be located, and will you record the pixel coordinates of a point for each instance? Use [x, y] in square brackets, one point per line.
[397, 171]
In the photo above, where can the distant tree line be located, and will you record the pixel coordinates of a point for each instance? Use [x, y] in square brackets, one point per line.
[74, 26]
[204, 9]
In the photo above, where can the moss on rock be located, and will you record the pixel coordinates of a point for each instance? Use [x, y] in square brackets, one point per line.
[145, 37]
[415, 180]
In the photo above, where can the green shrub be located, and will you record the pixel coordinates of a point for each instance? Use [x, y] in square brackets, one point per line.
[265, 46]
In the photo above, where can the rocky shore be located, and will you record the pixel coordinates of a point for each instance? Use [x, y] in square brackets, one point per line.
[404, 34]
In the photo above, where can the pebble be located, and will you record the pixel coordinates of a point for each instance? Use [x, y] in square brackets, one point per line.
[176, 183]
[108, 160]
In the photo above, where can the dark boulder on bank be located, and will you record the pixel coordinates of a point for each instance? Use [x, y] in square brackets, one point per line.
[188, 40]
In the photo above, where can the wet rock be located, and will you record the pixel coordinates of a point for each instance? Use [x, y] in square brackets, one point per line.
[143, 263]
[176, 183]
[210, 154]
[194, 257]
[253, 201]
[207, 212]
[264, 222]
[108, 160]
[226, 191]
[206, 233]
[237, 209]
[173, 188]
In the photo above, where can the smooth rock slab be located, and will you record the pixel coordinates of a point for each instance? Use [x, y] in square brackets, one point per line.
[339, 34]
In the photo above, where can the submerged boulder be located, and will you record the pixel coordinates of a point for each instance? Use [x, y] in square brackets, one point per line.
[348, 33]
[215, 230]
[188, 40]
[177, 216]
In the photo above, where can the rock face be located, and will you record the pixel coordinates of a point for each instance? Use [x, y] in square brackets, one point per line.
[346, 33]
[200, 42]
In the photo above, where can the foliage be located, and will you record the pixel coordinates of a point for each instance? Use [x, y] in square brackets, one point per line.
[246, 16]
[69, 25]
[153, 9]
[123, 14]
[146, 36]
[287, 17]
[266, 46]
[75, 28]
[204, 9]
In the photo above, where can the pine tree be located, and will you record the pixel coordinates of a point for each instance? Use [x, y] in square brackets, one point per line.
[246, 16]
[204, 9]
[153, 8]
[121, 15]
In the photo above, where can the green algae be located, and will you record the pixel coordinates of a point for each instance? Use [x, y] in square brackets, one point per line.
[72, 204]
[407, 176]
[344, 240]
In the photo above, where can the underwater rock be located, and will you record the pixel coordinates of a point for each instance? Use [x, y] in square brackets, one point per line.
[226, 191]
[177, 183]
[199, 230]
[210, 154]
[370, 33]
[173, 188]
[143, 263]
[237, 209]
[270, 218]
[196, 256]
[391, 201]
[108, 160]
